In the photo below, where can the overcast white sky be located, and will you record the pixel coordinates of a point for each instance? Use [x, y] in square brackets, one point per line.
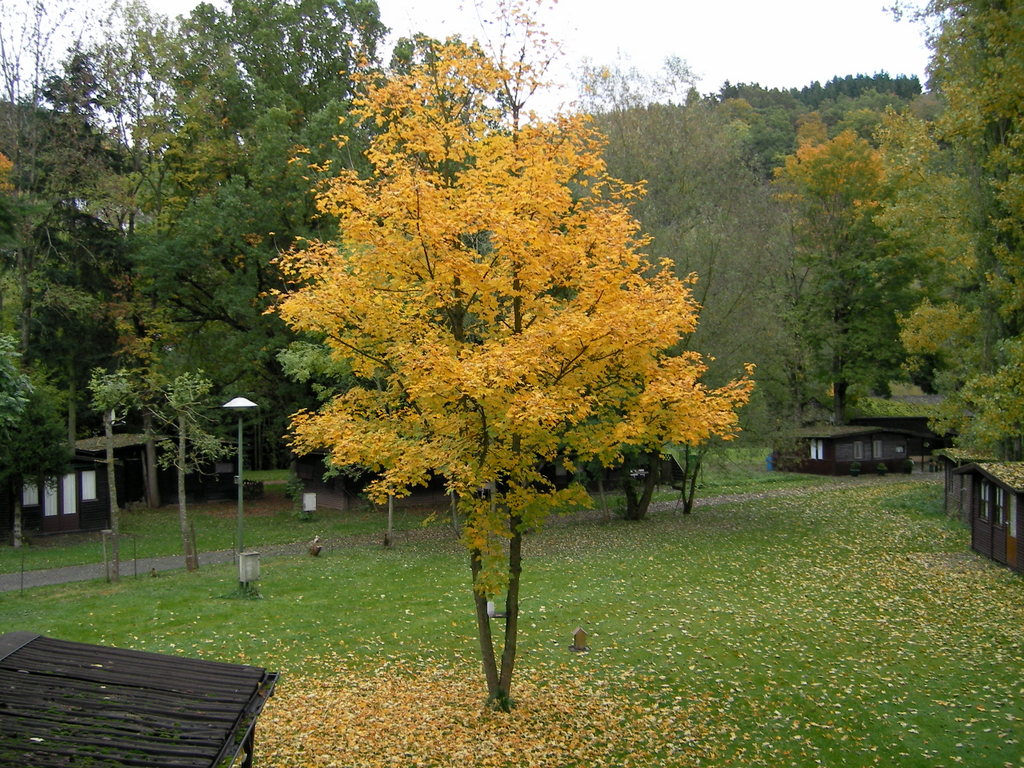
[782, 43]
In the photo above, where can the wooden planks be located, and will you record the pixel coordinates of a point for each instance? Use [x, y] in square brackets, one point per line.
[64, 703]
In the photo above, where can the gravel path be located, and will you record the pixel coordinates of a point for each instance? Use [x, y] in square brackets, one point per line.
[11, 582]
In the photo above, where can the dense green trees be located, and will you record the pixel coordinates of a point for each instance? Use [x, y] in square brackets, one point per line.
[33, 443]
[151, 176]
[793, 271]
[965, 199]
[251, 86]
[851, 284]
[157, 172]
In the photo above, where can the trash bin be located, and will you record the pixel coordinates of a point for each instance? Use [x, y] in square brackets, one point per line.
[769, 463]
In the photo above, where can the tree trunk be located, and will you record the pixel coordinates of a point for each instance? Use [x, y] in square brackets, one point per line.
[152, 480]
[638, 501]
[839, 402]
[115, 515]
[455, 513]
[16, 523]
[503, 700]
[72, 411]
[483, 631]
[187, 545]
[23, 266]
[391, 518]
[691, 471]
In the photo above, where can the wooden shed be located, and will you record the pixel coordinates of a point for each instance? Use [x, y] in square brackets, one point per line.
[333, 491]
[130, 462]
[215, 482]
[79, 500]
[829, 450]
[993, 498]
[949, 460]
[70, 704]
[340, 491]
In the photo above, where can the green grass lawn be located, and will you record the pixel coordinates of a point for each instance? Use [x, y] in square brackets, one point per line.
[272, 519]
[844, 626]
[154, 533]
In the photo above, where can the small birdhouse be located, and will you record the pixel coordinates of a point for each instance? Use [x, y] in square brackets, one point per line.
[579, 640]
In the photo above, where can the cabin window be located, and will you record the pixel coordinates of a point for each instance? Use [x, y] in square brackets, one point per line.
[876, 449]
[51, 502]
[69, 491]
[858, 450]
[30, 495]
[985, 508]
[89, 485]
[817, 449]
[1000, 506]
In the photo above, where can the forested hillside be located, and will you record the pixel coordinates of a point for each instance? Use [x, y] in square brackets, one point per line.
[845, 236]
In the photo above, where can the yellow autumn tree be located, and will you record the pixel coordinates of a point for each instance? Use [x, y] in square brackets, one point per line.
[489, 290]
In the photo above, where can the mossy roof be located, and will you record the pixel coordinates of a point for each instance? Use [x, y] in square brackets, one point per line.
[909, 406]
[100, 443]
[1009, 473]
[961, 456]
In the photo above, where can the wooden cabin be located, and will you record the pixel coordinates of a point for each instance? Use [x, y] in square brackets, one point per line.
[79, 500]
[216, 482]
[993, 498]
[829, 450]
[922, 440]
[949, 460]
[129, 463]
[340, 491]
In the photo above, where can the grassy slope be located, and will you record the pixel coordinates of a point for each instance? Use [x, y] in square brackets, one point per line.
[841, 627]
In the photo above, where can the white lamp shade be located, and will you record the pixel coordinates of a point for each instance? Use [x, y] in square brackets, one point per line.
[239, 402]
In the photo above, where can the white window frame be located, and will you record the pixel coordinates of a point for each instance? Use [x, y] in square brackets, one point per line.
[51, 503]
[817, 449]
[30, 495]
[69, 494]
[89, 485]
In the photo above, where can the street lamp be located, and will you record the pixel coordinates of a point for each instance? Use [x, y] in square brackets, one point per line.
[240, 404]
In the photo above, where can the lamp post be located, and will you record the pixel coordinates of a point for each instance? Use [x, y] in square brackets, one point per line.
[240, 404]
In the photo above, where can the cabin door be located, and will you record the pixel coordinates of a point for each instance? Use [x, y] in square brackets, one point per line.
[60, 505]
[1011, 533]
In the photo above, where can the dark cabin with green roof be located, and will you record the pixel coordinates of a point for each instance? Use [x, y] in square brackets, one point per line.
[993, 499]
[890, 432]
[830, 450]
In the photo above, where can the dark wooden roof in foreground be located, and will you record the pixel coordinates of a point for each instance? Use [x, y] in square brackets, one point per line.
[64, 703]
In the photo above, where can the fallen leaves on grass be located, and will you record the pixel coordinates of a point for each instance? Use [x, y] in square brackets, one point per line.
[845, 628]
[419, 716]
